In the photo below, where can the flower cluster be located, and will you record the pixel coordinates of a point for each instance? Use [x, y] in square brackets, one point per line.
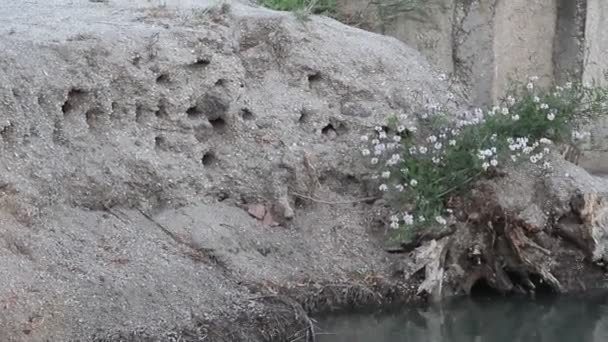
[420, 166]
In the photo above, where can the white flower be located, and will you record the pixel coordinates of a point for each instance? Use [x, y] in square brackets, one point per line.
[536, 99]
[478, 111]
[546, 150]
[432, 139]
[383, 187]
[485, 166]
[514, 158]
[413, 150]
[455, 132]
[438, 146]
[493, 149]
[400, 128]
[374, 161]
[408, 219]
[515, 117]
[394, 160]
[379, 129]
[440, 220]
[505, 111]
[533, 159]
[421, 219]
[380, 147]
[452, 142]
[412, 129]
[493, 162]
[375, 142]
[386, 174]
[533, 78]
[424, 115]
[391, 146]
[550, 116]
[527, 150]
[568, 85]
[364, 138]
[396, 138]
[545, 141]
[422, 150]
[493, 138]
[530, 86]
[365, 152]
[435, 160]
[394, 218]
[546, 165]
[544, 106]
[394, 225]
[451, 96]
[399, 187]
[382, 135]
[510, 100]
[442, 136]
[442, 77]
[413, 182]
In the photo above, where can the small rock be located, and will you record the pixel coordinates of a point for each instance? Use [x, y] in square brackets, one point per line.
[269, 220]
[257, 210]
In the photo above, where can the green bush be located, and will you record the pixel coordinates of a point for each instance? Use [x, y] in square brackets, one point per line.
[310, 6]
[419, 169]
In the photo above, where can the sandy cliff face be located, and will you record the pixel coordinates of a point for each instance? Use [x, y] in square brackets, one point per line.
[138, 141]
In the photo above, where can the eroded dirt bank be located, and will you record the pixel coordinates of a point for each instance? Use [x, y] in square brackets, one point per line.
[192, 174]
[139, 141]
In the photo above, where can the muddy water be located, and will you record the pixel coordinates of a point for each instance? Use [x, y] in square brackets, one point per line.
[547, 319]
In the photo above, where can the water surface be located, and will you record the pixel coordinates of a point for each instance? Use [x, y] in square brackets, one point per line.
[547, 319]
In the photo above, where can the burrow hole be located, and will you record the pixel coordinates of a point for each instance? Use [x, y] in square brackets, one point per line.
[160, 143]
[209, 159]
[163, 78]
[313, 78]
[246, 114]
[218, 124]
[331, 131]
[194, 112]
[221, 82]
[74, 99]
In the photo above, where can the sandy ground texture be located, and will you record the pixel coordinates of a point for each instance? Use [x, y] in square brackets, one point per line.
[156, 160]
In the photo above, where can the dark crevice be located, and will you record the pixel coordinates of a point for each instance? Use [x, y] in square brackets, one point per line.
[329, 130]
[160, 143]
[163, 79]
[314, 78]
[218, 124]
[74, 99]
[208, 159]
[194, 113]
[246, 114]
[201, 62]
[482, 289]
